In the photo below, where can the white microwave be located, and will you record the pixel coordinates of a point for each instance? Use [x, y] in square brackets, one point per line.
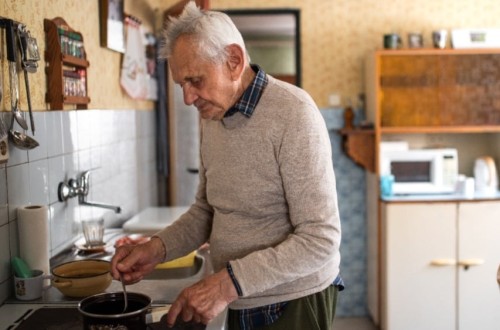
[421, 171]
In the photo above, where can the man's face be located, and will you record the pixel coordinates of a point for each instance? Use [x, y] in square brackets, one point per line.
[208, 86]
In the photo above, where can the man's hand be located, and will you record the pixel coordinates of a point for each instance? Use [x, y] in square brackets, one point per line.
[204, 300]
[135, 261]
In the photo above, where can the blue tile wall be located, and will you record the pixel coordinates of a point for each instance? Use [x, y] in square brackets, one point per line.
[352, 207]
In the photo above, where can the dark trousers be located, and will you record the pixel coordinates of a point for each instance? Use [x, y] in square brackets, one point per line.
[314, 312]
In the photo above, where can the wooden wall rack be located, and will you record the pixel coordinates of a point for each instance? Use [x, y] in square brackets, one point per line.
[66, 66]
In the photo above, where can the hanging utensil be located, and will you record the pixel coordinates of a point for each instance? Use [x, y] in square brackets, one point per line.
[3, 127]
[21, 140]
[14, 82]
[29, 59]
[125, 299]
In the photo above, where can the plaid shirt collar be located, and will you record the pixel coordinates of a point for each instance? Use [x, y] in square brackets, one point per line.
[248, 101]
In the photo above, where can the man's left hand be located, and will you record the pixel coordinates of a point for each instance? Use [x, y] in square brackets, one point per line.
[204, 300]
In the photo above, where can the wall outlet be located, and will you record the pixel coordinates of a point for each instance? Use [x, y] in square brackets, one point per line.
[4, 150]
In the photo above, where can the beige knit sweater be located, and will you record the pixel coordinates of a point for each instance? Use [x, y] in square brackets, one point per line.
[267, 200]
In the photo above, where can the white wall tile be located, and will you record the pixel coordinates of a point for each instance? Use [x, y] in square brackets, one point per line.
[39, 182]
[69, 129]
[84, 161]
[126, 124]
[53, 121]
[57, 174]
[84, 129]
[4, 216]
[97, 128]
[16, 156]
[61, 225]
[41, 136]
[4, 253]
[18, 188]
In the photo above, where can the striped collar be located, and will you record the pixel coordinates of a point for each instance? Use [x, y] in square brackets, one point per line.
[248, 101]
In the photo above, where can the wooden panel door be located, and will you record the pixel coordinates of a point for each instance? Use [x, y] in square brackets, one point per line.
[418, 266]
[479, 247]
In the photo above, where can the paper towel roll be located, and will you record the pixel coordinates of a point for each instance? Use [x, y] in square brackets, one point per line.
[34, 239]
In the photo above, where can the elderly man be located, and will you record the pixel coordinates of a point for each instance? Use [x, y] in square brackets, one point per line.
[266, 201]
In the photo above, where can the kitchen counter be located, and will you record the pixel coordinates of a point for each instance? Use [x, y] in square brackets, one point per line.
[441, 198]
[161, 291]
[153, 219]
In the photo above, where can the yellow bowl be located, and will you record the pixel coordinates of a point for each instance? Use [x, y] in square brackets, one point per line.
[82, 278]
[186, 261]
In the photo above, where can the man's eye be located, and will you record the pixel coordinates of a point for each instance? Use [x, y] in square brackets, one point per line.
[195, 82]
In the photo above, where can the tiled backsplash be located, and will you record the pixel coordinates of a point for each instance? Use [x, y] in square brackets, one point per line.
[117, 145]
[352, 207]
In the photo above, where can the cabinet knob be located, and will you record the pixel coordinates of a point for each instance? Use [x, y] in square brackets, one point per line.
[443, 262]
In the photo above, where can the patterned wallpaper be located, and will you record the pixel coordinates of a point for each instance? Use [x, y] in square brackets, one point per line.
[336, 36]
[83, 16]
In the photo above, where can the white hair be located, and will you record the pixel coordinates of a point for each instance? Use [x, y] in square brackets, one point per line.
[213, 32]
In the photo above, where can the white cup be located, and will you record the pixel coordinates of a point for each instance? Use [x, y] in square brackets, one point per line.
[93, 230]
[469, 187]
[439, 38]
[30, 288]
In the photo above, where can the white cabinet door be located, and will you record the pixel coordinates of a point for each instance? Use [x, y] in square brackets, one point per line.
[479, 294]
[418, 266]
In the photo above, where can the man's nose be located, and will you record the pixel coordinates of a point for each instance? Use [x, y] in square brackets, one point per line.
[189, 95]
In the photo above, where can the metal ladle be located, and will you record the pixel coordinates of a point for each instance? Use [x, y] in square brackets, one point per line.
[125, 299]
[21, 140]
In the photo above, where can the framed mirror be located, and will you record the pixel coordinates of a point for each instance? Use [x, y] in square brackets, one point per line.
[272, 38]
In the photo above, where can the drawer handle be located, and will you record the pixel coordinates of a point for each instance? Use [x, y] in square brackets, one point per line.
[443, 262]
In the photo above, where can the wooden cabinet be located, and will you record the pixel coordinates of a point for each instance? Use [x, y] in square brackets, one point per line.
[431, 98]
[66, 66]
[427, 91]
[439, 262]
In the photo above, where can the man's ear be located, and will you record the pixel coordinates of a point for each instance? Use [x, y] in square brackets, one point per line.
[235, 60]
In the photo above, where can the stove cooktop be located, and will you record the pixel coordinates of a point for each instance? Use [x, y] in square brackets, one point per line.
[69, 318]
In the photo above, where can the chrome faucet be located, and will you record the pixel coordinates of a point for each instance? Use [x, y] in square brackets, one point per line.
[80, 187]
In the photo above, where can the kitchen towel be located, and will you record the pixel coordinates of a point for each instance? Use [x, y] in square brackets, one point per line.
[134, 78]
[34, 240]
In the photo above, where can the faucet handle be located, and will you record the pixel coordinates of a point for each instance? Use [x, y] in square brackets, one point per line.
[85, 182]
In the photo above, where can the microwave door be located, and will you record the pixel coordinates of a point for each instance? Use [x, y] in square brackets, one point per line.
[412, 177]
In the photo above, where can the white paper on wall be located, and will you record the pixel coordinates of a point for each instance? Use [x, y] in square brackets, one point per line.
[134, 77]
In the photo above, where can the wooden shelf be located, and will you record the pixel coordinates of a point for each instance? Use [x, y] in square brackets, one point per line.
[59, 63]
[359, 145]
[74, 61]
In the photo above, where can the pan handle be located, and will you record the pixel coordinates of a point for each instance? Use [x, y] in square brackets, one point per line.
[155, 314]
